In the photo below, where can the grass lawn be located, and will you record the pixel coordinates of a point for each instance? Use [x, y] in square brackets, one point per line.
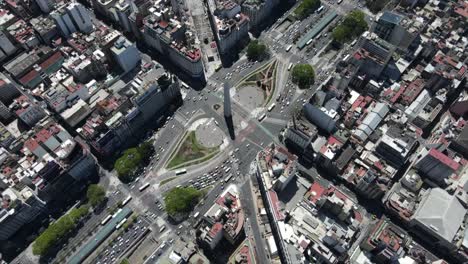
[190, 150]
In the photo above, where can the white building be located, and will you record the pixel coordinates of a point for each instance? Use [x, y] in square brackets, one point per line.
[126, 54]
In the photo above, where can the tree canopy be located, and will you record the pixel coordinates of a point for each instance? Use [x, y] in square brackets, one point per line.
[95, 194]
[303, 75]
[306, 8]
[376, 6]
[181, 200]
[256, 50]
[131, 160]
[352, 26]
[58, 230]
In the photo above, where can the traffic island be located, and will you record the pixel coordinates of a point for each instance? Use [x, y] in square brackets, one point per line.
[201, 143]
[257, 89]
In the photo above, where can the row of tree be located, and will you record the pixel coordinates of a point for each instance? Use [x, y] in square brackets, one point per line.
[67, 223]
[352, 26]
[58, 230]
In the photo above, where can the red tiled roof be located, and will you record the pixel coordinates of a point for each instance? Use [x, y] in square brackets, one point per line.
[28, 77]
[444, 159]
[275, 202]
[51, 60]
[215, 229]
[316, 191]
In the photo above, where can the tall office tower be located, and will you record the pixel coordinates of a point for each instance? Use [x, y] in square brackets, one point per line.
[227, 101]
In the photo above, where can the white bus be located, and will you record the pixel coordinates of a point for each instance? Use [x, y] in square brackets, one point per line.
[109, 217]
[288, 48]
[346, 57]
[196, 215]
[227, 169]
[228, 178]
[339, 1]
[271, 107]
[116, 213]
[290, 66]
[319, 9]
[353, 43]
[181, 171]
[184, 85]
[146, 185]
[261, 117]
[121, 223]
[310, 41]
[126, 200]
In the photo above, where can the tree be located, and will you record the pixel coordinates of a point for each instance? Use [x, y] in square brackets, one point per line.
[256, 50]
[376, 6]
[132, 159]
[352, 26]
[58, 230]
[303, 75]
[95, 195]
[306, 8]
[181, 200]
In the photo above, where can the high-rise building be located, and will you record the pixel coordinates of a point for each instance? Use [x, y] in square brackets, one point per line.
[45, 5]
[172, 38]
[71, 18]
[396, 29]
[8, 91]
[437, 167]
[18, 209]
[229, 24]
[6, 46]
[258, 11]
[126, 54]
[81, 17]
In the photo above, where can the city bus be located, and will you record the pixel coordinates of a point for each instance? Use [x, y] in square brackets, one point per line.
[184, 85]
[116, 213]
[121, 223]
[310, 41]
[353, 43]
[109, 217]
[126, 200]
[288, 48]
[181, 171]
[339, 1]
[290, 66]
[196, 215]
[261, 117]
[228, 178]
[346, 57]
[271, 107]
[319, 9]
[146, 185]
[227, 169]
